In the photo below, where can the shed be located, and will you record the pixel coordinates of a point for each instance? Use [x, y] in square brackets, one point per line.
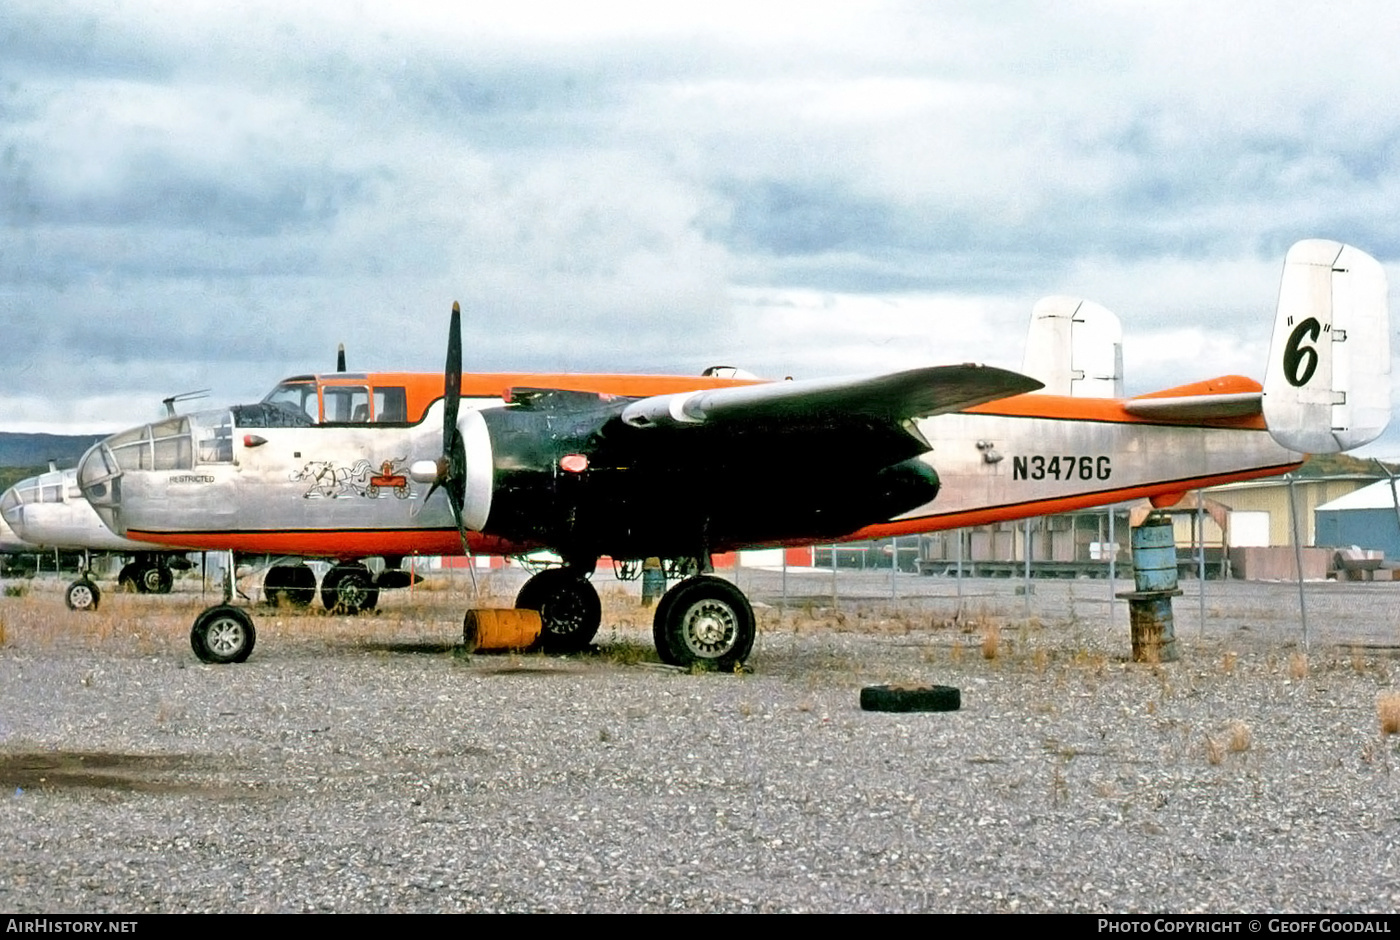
[1367, 518]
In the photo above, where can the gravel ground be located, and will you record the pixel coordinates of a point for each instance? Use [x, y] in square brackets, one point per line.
[364, 764]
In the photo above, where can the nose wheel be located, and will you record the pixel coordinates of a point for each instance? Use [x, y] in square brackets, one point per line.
[223, 634]
[704, 621]
[82, 594]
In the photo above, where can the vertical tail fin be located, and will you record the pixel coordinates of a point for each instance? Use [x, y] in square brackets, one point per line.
[1076, 348]
[1327, 387]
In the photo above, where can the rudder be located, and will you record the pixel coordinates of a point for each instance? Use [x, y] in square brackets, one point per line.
[1327, 386]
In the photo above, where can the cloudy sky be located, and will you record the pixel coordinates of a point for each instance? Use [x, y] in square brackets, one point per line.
[214, 195]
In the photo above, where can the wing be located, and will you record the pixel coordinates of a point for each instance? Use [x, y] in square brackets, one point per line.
[830, 403]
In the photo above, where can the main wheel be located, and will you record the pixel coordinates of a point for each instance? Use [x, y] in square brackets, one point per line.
[570, 611]
[704, 621]
[129, 579]
[157, 579]
[349, 589]
[294, 585]
[223, 634]
[82, 594]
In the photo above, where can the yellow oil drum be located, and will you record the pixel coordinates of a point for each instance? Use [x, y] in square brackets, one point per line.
[500, 629]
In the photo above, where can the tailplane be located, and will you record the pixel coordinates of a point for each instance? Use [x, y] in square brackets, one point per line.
[1327, 387]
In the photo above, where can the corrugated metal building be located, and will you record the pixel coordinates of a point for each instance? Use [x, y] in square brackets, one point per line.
[1366, 518]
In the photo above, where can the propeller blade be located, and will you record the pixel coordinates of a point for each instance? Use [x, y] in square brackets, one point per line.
[340, 358]
[452, 470]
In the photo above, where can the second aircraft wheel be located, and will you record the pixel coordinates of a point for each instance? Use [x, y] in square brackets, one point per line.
[293, 585]
[704, 621]
[570, 611]
[349, 589]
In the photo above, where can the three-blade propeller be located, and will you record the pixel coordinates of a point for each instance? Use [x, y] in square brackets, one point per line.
[450, 470]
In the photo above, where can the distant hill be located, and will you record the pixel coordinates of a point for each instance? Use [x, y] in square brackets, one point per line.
[1326, 465]
[36, 450]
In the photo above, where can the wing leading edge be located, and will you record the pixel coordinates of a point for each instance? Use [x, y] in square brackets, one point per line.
[895, 397]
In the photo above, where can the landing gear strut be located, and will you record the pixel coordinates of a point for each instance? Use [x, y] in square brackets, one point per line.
[569, 609]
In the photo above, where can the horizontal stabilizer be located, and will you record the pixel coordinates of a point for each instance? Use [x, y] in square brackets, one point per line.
[915, 393]
[1327, 387]
[1196, 407]
[1227, 396]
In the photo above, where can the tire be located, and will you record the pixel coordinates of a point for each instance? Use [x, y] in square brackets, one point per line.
[129, 579]
[82, 594]
[157, 580]
[926, 698]
[292, 585]
[349, 589]
[222, 635]
[570, 612]
[704, 621]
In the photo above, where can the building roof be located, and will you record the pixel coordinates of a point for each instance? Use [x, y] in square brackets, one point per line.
[1378, 495]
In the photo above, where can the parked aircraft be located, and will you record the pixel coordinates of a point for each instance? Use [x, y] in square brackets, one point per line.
[595, 466]
[49, 512]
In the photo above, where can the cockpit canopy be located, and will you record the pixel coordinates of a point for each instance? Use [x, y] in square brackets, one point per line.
[308, 400]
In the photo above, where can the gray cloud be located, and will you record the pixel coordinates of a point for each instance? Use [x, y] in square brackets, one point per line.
[196, 195]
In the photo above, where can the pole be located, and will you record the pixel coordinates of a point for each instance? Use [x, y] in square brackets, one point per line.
[833, 576]
[784, 604]
[1298, 558]
[1112, 565]
[894, 563]
[1200, 526]
[960, 570]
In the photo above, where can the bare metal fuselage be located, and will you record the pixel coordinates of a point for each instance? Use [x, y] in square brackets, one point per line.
[338, 491]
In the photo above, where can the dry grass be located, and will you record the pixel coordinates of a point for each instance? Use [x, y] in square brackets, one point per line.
[1388, 710]
[1215, 751]
[991, 640]
[1239, 739]
[1298, 666]
[1228, 661]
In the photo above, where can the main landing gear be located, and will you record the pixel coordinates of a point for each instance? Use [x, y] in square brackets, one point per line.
[702, 621]
[146, 578]
[569, 609]
[346, 589]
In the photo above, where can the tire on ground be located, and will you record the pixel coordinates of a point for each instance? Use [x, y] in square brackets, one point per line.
[569, 608]
[82, 594]
[901, 698]
[223, 634]
[294, 585]
[704, 621]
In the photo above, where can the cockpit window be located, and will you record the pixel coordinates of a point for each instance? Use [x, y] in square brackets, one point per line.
[391, 404]
[161, 446]
[345, 404]
[266, 414]
[299, 397]
[170, 442]
[216, 441]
